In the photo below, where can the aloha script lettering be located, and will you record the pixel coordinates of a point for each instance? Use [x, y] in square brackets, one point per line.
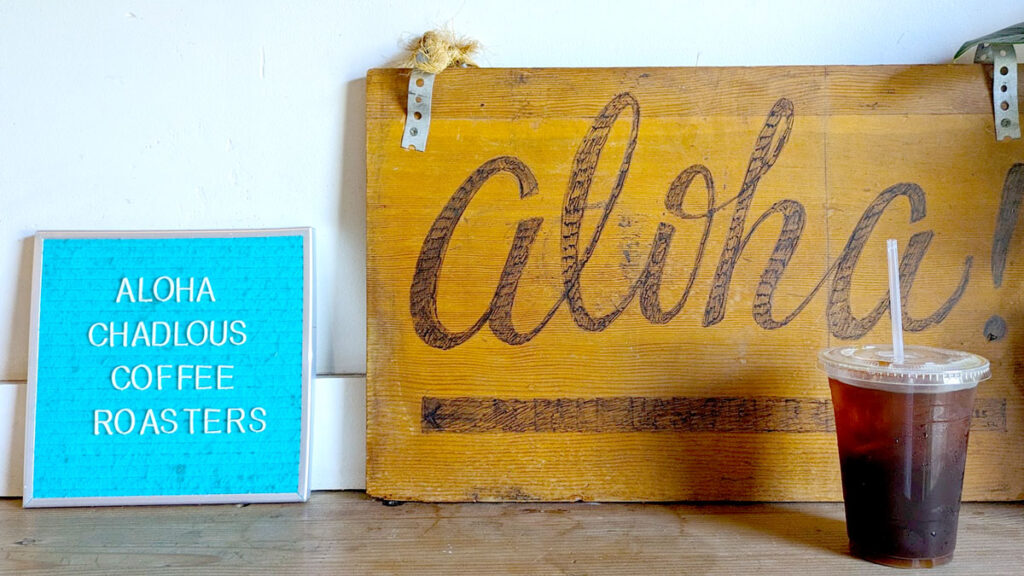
[576, 251]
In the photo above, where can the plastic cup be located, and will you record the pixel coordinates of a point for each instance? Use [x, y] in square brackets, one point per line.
[902, 432]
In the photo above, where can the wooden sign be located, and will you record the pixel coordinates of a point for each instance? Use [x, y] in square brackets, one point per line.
[612, 284]
[170, 367]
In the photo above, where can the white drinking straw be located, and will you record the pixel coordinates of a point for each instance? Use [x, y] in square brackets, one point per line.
[895, 306]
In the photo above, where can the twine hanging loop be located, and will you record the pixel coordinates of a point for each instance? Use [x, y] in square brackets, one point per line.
[438, 50]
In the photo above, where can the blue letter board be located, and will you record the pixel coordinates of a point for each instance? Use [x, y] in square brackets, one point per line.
[170, 367]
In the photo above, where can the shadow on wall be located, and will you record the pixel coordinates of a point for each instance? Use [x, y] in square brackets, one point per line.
[17, 351]
[351, 240]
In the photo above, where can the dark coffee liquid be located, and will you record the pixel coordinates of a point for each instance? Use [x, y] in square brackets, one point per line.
[902, 459]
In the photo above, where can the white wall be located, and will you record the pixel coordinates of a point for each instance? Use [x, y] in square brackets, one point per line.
[209, 114]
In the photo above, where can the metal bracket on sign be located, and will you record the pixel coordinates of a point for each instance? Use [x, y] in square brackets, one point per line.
[1004, 87]
[417, 116]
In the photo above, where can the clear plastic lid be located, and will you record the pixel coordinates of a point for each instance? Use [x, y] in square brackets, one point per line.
[924, 369]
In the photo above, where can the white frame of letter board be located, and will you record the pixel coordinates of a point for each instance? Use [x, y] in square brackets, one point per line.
[308, 332]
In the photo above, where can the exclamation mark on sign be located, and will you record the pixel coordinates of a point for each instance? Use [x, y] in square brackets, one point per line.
[1006, 221]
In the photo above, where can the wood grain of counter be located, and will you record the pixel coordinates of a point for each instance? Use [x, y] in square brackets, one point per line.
[349, 533]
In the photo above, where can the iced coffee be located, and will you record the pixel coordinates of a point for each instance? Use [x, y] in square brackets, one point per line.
[902, 432]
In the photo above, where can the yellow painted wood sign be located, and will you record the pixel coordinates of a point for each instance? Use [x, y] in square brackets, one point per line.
[612, 284]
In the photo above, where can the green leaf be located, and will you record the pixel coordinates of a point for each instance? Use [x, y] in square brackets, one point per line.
[1009, 35]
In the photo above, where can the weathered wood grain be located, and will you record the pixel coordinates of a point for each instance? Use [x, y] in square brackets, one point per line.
[348, 533]
[684, 233]
[519, 93]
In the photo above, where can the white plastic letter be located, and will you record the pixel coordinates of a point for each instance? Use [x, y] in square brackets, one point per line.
[149, 421]
[182, 375]
[141, 333]
[205, 288]
[123, 334]
[191, 419]
[170, 288]
[125, 289]
[222, 375]
[113, 378]
[179, 289]
[149, 377]
[131, 420]
[207, 420]
[92, 341]
[236, 420]
[236, 328]
[168, 415]
[202, 374]
[160, 376]
[188, 333]
[167, 334]
[263, 423]
[96, 422]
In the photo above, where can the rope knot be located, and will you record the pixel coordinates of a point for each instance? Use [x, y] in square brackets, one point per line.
[438, 50]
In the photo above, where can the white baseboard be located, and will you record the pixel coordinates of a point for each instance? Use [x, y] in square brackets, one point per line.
[12, 437]
[339, 434]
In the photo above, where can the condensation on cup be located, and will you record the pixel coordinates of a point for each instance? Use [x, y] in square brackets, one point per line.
[902, 431]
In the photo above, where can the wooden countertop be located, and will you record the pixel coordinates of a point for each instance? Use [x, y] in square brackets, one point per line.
[349, 533]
